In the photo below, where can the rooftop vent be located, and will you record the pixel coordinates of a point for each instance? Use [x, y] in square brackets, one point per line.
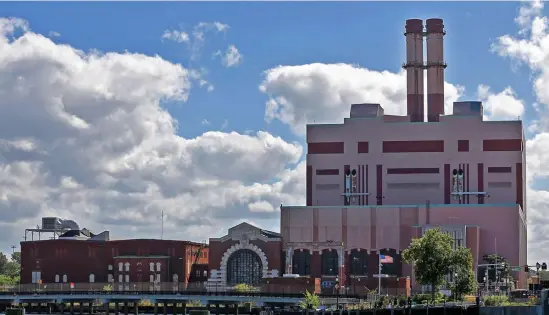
[55, 223]
[469, 108]
[366, 110]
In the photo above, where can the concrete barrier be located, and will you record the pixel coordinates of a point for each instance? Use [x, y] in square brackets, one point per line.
[511, 310]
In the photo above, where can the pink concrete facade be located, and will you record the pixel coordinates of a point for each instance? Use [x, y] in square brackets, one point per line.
[404, 183]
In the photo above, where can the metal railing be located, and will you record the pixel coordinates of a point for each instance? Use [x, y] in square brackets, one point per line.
[166, 288]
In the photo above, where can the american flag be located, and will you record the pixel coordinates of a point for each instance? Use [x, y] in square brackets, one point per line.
[384, 259]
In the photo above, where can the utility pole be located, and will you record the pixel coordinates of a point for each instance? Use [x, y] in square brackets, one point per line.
[13, 247]
[162, 232]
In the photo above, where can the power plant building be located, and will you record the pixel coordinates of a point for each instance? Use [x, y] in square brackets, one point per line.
[377, 181]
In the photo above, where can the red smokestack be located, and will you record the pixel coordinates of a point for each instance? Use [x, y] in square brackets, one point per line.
[414, 69]
[435, 69]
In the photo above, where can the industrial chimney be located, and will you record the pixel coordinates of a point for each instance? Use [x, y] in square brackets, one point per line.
[435, 69]
[414, 69]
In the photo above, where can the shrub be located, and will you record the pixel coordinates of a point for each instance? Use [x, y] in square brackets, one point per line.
[310, 300]
[496, 300]
[243, 288]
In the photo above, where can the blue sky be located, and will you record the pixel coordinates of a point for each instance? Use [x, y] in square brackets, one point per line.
[269, 34]
[112, 140]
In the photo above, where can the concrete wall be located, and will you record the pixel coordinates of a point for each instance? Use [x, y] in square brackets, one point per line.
[375, 228]
[422, 175]
[511, 310]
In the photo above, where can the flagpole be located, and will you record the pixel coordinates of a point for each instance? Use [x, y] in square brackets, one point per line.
[379, 273]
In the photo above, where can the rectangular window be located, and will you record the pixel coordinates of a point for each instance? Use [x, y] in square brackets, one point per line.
[463, 145]
[502, 145]
[36, 276]
[325, 148]
[363, 147]
[403, 171]
[334, 171]
[426, 146]
[499, 169]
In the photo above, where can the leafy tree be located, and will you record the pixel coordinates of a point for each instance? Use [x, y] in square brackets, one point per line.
[12, 269]
[464, 281]
[544, 275]
[16, 257]
[3, 262]
[310, 301]
[7, 280]
[107, 288]
[432, 257]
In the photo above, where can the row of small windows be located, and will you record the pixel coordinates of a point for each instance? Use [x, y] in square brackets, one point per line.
[330, 263]
[126, 266]
[121, 278]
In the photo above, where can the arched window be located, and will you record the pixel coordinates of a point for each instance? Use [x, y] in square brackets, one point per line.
[151, 278]
[151, 266]
[65, 278]
[244, 266]
[359, 262]
[158, 265]
[56, 278]
[120, 278]
[302, 262]
[110, 278]
[92, 278]
[120, 266]
[127, 278]
[330, 264]
[110, 267]
[175, 278]
[127, 265]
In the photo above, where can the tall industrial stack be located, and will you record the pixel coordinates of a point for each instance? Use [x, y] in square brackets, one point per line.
[435, 69]
[414, 70]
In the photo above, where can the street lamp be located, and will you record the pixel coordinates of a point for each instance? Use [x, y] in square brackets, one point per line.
[337, 292]
[455, 286]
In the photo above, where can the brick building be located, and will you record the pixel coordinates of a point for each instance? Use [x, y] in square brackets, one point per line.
[79, 257]
[247, 254]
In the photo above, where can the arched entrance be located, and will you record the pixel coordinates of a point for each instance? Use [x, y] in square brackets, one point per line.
[244, 266]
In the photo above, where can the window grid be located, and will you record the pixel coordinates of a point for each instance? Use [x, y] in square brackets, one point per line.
[330, 263]
[302, 263]
[244, 266]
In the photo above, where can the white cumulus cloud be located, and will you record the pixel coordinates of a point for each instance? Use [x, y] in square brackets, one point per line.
[84, 136]
[530, 47]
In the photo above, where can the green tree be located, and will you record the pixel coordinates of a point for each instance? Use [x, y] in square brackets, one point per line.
[11, 269]
[7, 280]
[310, 301]
[16, 257]
[464, 277]
[432, 257]
[544, 275]
[3, 262]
